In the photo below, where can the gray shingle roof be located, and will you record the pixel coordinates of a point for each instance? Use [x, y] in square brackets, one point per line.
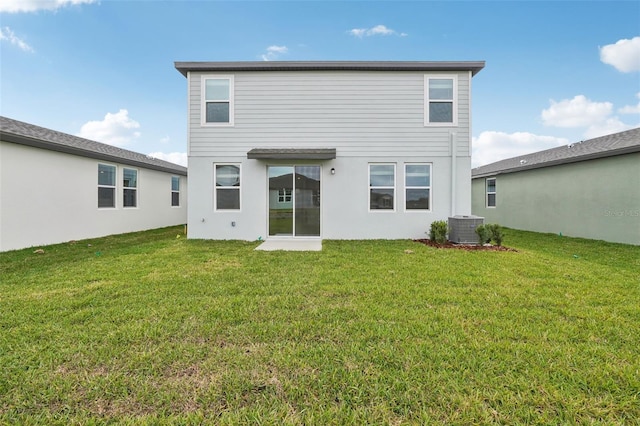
[605, 146]
[27, 134]
[473, 66]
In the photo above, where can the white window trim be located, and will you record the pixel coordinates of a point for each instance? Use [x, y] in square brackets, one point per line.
[175, 191]
[453, 77]
[486, 192]
[203, 100]
[418, 187]
[115, 187]
[394, 187]
[215, 188]
[284, 197]
[136, 188]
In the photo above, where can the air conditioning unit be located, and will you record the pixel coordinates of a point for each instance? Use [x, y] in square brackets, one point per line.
[462, 229]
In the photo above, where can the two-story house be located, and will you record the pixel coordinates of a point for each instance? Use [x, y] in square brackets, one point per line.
[335, 150]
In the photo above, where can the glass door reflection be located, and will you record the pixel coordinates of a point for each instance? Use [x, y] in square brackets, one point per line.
[294, 201]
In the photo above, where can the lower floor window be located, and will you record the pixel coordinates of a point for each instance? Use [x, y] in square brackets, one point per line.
[416, 189]
[106, 186]
[491, 192]
[227, 186]
[129, 198]
[175, 191]
[130, 187]
[106, 197]
[417, 179]
[382, 181]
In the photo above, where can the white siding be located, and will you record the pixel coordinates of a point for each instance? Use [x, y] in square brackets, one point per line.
[49, 197]
[359, 113]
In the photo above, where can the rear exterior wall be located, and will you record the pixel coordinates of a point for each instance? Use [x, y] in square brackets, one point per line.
[369, 117]
[345, 204]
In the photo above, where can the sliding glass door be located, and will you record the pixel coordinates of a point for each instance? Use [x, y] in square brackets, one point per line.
[294, 201]
[281, 200]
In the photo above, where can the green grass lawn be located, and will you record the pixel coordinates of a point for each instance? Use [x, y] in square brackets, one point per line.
[147, 328]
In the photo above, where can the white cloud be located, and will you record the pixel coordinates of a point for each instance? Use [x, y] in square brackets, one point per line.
[273, 52]
[624, 55]
[14, 6]
[493, 146]
[380, 29]
[576, 112]
[606, 127]
[116, 129]
[373, 31]
[595, 117]
[172, 157]
[6, 34]
[631, 109]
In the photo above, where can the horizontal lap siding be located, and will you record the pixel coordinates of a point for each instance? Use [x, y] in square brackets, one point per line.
[372, 113]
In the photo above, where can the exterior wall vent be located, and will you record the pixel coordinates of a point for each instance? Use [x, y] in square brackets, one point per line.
[462, 229]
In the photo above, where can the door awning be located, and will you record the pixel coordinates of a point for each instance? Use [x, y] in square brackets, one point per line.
[292, 154]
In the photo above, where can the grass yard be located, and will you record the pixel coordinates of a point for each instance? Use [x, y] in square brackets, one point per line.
[147, 328]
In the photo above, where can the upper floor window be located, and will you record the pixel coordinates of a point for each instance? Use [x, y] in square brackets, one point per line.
[129, 187]
[440, 100]
[417, 183]
[382, 185]
[491, 192]
[227, 183]
[217, 95]
[106, 186]
[175, 191]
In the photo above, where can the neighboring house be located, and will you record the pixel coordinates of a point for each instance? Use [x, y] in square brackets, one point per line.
[340, 150]
[588, 189]
[55, 187]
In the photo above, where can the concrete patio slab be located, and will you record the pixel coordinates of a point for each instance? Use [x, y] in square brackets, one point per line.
[291, 245]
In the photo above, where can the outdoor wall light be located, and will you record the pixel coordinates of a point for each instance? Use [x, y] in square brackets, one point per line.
[333, 170]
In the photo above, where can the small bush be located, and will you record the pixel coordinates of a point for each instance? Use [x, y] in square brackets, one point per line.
[483, 234]
[438, 231]
[495, 233]
[490, 232]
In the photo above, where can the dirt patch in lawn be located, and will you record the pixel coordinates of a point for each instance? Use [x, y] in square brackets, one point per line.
[468, 247]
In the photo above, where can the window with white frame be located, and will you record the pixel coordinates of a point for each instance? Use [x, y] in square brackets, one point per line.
[491, 192]
[175, 191]
[417, 184]
[129, 187]
[440, 100]
[217, 95]
[106, 186]
[227, 186]
[284, 195]
[382, 184]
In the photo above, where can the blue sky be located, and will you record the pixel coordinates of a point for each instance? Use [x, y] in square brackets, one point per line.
[556, 72]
